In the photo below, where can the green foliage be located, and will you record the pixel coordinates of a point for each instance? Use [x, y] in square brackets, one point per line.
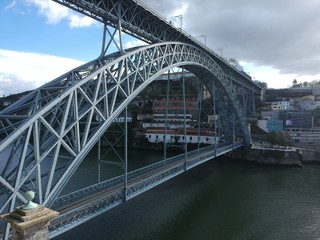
[264, 85]
[279, 138]
[316, 113]
[313, 83]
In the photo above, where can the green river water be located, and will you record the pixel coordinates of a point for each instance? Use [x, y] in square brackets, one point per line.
[221, 199]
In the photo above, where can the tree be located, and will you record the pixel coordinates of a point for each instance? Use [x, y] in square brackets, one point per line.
[279, 138]
[316, 113]
[294, 82]
[315, 83]
[264, 85]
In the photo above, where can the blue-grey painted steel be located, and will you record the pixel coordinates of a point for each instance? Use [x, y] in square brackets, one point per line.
[46, 135]
[143, 22]
[89, 99]
[165, 170]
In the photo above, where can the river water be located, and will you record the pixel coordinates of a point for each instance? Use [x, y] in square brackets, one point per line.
[221, 199]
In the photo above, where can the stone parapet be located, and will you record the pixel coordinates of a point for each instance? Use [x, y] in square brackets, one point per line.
[30, 224]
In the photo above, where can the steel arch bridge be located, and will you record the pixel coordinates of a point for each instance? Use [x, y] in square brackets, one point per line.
[46, 135]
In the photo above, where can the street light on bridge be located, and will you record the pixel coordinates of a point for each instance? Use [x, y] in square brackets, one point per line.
[179, 17]
[204, 37]
[220, 49]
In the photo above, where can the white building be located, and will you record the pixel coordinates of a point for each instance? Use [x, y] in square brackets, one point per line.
[172, 117]
[172, 121]
[309, 105]
[142, 117]
[213, 119]
[280, 106]
[172, 136]
[118, 119]
[163, 125]
[305, 135]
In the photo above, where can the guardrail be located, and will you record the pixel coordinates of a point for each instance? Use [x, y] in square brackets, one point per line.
[103, 203]
[87, 191]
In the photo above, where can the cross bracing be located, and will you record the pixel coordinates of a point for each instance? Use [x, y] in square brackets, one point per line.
[47, 134]
[140, 21]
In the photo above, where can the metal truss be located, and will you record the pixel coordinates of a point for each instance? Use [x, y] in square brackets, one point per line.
[69, 220]
[172, 167]
[48, 133]
[137, 19]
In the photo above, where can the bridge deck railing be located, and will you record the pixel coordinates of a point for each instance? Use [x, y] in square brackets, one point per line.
[87, 191]
[118, 195]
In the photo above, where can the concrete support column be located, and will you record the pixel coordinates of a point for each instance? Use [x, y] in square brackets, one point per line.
[30, 223]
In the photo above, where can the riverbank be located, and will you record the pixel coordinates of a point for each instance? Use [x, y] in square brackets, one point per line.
[310, 156]
[277, 155]
[280, 156]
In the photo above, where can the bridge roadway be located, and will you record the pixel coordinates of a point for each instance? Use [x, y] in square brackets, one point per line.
[80, 206]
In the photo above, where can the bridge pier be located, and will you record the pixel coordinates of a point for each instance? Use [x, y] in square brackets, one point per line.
[30, 222]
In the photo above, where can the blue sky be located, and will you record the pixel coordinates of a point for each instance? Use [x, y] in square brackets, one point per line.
[25, 29]
[41, 39]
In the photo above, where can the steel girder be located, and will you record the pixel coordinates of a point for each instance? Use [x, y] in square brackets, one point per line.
[139, 20]
[175, 166]
[48, 133]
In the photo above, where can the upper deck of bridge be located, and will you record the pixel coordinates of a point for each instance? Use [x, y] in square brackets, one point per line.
[144, 23]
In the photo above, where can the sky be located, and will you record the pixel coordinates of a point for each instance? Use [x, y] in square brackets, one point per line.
[276, 41]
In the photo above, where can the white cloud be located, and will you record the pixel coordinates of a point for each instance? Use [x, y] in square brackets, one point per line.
[77, 21]
[182, 9]
[21, 71]
[279, 39]
[134, 43]
[11, 5]
[273, 77]
[55, 12]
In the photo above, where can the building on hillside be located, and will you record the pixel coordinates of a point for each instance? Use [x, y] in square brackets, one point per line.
[305, 135]
[299, 92]
[172, 121]
[316, 93]
[271, 125]
[177, 136]
[309, 105]
[139, 103]
[176, 105]
[212, 119]
[280, 106]
[293, 119]
[175, 76]
[144, 117]
[270, 115]
[279, 94]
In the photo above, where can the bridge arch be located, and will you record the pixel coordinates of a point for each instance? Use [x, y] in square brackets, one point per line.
[64, 125]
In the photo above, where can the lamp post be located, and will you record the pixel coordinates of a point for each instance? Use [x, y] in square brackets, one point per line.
[179, 17]
[204, 37]
[220, 49]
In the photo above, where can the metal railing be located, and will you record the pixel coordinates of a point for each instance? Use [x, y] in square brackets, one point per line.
[103, 202]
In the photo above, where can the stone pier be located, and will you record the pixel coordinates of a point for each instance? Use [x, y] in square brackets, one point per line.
[30, 224]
